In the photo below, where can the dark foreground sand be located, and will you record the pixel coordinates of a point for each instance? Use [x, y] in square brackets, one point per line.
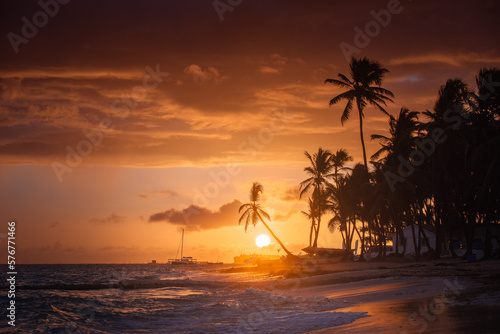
[445, 296]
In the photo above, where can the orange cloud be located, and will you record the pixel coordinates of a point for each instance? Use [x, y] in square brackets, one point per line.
[455, 59]
[281, 60]
[283, 217]
[70, 73]
[196, 218]
[152, 193]
[291, 194]
[111, 219]
[200, 75]
[268, 69]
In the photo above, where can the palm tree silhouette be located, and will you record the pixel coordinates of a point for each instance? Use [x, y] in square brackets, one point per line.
[340, 204]
[484, 135]
[311, 214]
[447, 167]
[488, 95]
[253, 212]
[357, 189]
[363, 88]
[402, 139]
[398, 199]
[319, 172]
[339, 159]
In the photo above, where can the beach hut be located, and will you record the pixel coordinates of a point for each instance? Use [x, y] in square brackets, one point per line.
[408, 239]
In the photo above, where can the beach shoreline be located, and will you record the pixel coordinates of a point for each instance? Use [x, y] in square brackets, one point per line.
[447, 295]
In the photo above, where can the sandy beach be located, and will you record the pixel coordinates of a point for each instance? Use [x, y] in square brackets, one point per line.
[444, 296]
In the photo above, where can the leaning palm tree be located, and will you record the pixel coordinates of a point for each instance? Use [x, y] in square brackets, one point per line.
[363, 88]
[253, 212]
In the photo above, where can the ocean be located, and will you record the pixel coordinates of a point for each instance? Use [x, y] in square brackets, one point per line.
[160, 298]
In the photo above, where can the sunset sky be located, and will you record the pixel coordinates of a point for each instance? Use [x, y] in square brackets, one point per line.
[176, 107]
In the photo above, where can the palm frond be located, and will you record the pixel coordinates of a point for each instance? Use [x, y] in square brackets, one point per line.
[338, 83]
[348, 95]
[347, 112]
[263, 213]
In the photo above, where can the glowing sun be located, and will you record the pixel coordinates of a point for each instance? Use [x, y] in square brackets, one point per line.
[262, 240]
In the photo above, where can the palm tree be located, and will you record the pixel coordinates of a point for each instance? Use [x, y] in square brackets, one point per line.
[358, 185]
[319, 172]
[311, 214]
[448, 162]
[402, 139]
[488, 95]
[341, 206]
[363, 88]
[397, 199]
[253, 212]
[339, 159]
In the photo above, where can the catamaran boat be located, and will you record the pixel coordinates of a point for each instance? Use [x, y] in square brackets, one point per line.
[183, 259]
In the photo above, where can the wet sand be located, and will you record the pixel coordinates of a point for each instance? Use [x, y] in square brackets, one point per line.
[413, 306]
[399, 317]
[450, 296]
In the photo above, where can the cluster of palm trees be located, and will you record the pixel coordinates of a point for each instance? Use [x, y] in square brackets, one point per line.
[326, 174]
[438, 168]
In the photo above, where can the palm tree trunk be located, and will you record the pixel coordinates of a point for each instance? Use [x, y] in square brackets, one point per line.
[317, 232]
[426, 240]
[336, 176]
[397, 241]
[439, 215]
[405, 242]
[469, 236]
[348, 241]
[276, 238]
[416, 248]
[362, 242]
[369, 225]
[313, 227]
[381, 239]
[360, 111]
[487, 237]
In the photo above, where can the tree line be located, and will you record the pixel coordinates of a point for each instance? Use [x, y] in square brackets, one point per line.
[438, 168]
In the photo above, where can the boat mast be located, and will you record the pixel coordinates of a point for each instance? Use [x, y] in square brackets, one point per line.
[182, 243]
